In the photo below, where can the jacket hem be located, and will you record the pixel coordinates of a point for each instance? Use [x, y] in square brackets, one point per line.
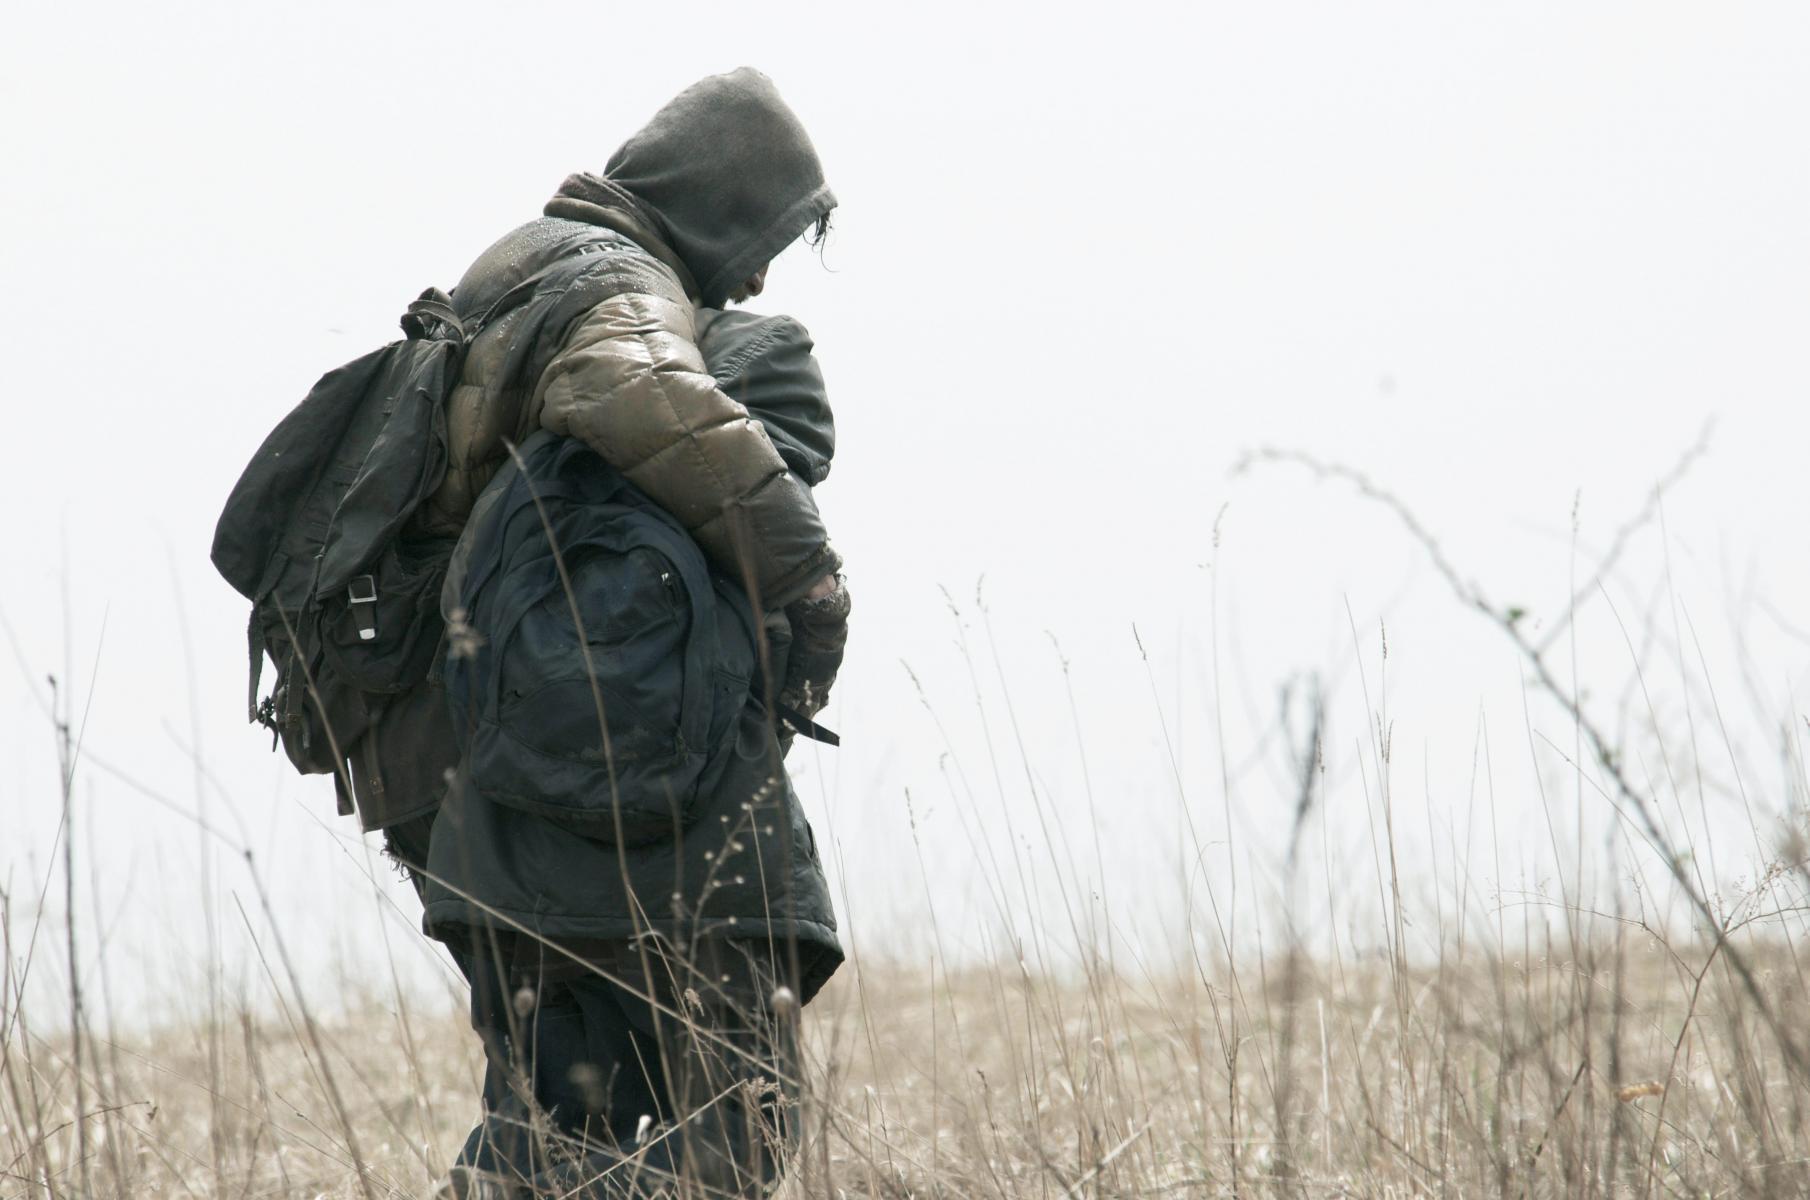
[441, 914]
[796, 582]
[455, 922]
[374, 824]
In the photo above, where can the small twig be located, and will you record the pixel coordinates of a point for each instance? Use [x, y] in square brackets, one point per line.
[1107, 1159]
[1642, 805]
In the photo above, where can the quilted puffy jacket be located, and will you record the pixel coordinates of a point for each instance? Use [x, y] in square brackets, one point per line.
[715, 185]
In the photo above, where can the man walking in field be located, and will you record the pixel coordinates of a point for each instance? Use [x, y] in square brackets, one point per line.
[636, 967]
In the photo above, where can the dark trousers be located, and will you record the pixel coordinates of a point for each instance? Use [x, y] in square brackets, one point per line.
[619, 1070]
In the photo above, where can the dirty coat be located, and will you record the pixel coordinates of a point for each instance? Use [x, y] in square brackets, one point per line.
[665, 386]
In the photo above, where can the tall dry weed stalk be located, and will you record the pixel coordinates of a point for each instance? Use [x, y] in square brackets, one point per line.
[1466, 1046]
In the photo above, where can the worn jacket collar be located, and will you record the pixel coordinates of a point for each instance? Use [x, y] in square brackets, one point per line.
[596, 201]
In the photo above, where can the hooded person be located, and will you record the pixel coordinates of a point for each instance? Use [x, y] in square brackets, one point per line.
[636, 1001]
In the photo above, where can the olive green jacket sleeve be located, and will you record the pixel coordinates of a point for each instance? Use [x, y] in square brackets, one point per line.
[630, 383]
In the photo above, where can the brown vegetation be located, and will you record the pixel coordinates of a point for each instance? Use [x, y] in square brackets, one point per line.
[1631, 1069]
[1514, 1046]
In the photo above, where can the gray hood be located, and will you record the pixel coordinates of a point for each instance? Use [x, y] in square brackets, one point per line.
[724, 173]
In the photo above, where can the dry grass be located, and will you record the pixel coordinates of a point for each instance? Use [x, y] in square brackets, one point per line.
[1516, 1047]
[1614, 1075]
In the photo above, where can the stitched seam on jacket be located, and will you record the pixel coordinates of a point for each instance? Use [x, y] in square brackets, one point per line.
[635, 378]
[626, 383]
[761, 342]
[666, 395]
[620, 371]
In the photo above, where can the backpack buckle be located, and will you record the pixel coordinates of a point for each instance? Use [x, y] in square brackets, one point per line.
[361, 594]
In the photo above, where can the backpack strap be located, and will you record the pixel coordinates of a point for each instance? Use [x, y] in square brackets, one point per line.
[431, 315]
[804, 725]
[254, 637]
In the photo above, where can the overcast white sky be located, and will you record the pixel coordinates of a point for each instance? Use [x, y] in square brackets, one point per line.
[1501, 258]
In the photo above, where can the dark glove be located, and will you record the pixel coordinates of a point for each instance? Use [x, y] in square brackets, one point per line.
[819, 632]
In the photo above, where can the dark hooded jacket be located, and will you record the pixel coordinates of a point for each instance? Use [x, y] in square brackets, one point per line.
[660, 384]
[720, 181]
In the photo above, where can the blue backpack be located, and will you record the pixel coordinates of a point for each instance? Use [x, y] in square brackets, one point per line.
[597, 667]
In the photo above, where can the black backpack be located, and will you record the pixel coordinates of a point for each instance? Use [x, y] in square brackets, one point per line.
[611, 663]
[345, 599]
[346, 607]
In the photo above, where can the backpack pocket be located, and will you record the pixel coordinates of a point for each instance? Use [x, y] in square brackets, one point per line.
[380, 632]
[595, 723]
[318, 716]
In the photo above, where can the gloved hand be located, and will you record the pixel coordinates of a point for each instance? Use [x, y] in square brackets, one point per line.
[819, 632]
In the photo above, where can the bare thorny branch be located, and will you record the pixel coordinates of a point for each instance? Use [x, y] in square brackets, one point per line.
[1508, 620]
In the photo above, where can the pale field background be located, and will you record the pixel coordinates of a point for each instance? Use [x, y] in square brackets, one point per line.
[1510, 265]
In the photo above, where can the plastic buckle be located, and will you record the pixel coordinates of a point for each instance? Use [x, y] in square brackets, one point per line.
[362, 595]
